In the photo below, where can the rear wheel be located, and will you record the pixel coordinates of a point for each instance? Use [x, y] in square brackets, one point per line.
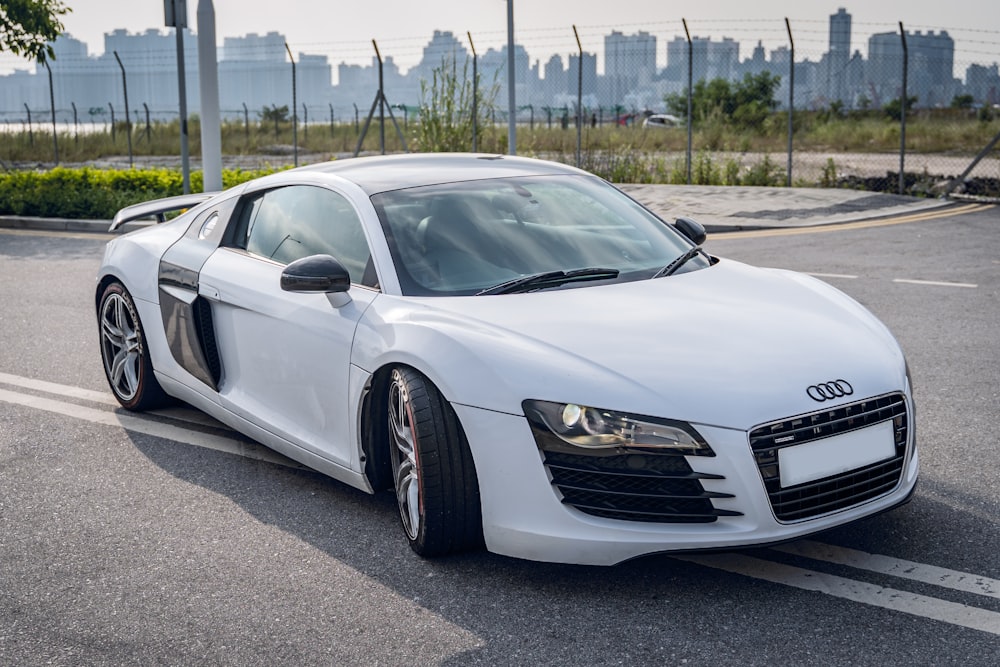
[433, 473]
[124, 352]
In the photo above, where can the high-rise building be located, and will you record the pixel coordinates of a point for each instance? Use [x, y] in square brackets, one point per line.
[840, 35]
[629, 60]
[930, 64]
[839, 55]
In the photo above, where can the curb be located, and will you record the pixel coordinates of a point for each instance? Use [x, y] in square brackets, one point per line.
[64, 224]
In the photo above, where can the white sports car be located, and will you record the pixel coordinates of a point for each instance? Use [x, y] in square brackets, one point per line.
[532, 361]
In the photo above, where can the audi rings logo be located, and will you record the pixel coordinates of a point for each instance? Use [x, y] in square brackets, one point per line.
[826, 391]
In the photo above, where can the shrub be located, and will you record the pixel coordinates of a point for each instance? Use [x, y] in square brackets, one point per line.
[96, 193]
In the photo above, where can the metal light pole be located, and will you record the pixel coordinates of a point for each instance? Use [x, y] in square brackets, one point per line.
[511, 95]
[175, 13]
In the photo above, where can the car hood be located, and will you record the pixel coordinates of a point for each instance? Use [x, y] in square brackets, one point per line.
[730, 345]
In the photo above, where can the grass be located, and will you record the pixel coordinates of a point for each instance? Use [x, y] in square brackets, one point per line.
[935, 131]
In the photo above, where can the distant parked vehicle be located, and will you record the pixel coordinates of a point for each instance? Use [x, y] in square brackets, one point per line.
[661, 120]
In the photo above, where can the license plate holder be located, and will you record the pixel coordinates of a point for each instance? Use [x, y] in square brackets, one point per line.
[837, 454]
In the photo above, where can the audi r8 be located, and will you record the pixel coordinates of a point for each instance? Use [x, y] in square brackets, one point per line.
[530, 360]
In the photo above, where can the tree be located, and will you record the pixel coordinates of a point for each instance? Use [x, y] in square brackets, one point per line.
[962, 101]
[744, 104]
[28, 27]
[274, 114]
[894, 109]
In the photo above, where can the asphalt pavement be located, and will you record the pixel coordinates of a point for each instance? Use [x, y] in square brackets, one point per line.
[719, 208]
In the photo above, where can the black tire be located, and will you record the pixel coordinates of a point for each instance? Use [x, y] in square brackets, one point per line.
[434, 476]
[124, 352]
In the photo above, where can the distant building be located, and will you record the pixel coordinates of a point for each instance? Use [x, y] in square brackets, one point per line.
[983, 83]
[930, 66]
[629, 62]
[711, 59]
[839, 56]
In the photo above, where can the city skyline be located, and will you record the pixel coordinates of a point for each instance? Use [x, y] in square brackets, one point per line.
[345, 32]
[625, 72]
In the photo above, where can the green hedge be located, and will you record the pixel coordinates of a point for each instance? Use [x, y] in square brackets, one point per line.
[96, 193]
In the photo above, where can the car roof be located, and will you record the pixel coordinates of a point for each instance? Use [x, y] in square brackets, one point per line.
[395, 172]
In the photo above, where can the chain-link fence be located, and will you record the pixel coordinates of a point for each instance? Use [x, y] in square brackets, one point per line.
[676, 101]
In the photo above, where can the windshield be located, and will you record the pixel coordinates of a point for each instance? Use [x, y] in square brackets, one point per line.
[468, 237]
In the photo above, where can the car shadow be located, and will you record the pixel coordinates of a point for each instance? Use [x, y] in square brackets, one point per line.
[521, 607]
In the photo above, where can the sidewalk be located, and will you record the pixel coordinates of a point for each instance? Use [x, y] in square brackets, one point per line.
[719, 208]
[730, 209]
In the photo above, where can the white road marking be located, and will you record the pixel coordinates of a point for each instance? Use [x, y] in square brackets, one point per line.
[189, 415]
[457, 639]
[842, 587]
[58, 389]
[244, 448]
[935, 283]
[849, 589]
[833, 275]
[896, 567]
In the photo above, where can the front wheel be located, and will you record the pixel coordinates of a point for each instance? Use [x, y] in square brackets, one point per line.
[432, 468]
[125, 353]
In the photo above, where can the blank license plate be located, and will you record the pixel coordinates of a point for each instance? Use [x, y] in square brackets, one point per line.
[839, 453]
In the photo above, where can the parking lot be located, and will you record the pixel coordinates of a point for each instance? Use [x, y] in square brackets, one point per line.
[167, 539]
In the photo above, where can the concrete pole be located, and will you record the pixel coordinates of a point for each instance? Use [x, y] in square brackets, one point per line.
[208, 82]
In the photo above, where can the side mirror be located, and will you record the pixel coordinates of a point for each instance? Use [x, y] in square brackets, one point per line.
[691, 229]
[316, 273]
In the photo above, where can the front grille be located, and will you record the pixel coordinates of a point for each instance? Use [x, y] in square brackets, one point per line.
[837, 492]
[656, 488]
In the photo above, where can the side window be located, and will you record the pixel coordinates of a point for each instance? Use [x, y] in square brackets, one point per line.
[289, 223]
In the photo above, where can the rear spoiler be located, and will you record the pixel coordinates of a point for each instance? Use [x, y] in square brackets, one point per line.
[158, 208]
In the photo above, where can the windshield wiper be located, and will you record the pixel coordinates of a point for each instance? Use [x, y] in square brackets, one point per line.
[672, 267]
[549, 279]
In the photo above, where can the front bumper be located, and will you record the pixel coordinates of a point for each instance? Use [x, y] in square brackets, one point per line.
[524, 517]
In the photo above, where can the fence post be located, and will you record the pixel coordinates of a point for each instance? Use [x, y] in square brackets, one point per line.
[381, 101]
[52, 106]
[128, 121]
[76, 128]
[295, 115]
[31, 133]
[305, 123]
[246, 123]
[112, 122]
[146, 107]
[331, 119]
[475, 95]
[902, 115]
[579, 97]
[690, 95]
[791, 98]
[511, 84]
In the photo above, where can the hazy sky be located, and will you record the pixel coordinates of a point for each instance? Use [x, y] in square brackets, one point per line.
[343, 29]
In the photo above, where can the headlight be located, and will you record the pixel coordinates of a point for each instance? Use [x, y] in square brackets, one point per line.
[593, 428]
